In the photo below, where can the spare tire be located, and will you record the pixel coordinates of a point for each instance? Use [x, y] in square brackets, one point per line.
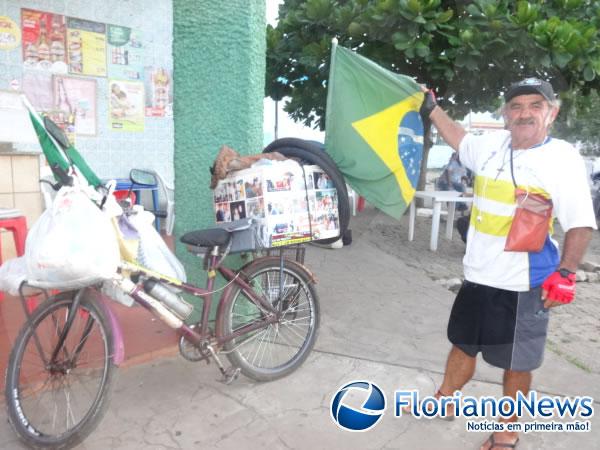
[313, 147]
[307, 153]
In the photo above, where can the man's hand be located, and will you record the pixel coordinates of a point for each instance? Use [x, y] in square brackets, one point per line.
[558, 289]
[429, 103]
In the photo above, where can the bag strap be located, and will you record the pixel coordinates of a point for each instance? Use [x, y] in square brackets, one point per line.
[512, 173]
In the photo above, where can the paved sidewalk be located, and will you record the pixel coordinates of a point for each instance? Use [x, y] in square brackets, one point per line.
[381, 321]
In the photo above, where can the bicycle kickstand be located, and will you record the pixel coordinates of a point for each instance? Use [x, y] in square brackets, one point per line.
[230, 374]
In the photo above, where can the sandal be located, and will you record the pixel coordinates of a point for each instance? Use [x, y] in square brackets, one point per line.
[495, 444]
[437, 395]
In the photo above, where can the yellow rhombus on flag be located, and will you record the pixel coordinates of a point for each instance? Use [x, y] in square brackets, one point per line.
[374, 130]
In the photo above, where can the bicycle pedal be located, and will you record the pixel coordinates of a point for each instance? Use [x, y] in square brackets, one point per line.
[230, 375]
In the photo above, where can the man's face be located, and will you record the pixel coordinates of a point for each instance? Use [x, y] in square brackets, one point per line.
[528, 118]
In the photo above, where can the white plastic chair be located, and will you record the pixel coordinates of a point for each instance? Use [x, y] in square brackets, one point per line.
[46, 179]
[166, 195]
[352, 199]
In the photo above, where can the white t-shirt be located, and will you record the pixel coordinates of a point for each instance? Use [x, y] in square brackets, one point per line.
[554, 169]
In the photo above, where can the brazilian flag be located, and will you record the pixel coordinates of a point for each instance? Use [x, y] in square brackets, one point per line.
[374, 130]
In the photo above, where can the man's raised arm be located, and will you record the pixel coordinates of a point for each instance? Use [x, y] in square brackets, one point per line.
[452, 132]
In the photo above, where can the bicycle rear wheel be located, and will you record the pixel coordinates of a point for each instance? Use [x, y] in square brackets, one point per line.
[280, 348]
[58, 403]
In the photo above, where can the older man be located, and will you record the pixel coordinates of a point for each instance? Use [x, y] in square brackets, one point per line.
[502, 307]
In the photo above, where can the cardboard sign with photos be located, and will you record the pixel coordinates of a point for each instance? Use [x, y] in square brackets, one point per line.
[290, 204]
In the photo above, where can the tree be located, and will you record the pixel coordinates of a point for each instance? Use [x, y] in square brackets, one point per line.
[468, 51]
[582, 125]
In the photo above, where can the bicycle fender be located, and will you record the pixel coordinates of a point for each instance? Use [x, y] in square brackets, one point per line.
[118, 350]
[227, 291]
[289, 262]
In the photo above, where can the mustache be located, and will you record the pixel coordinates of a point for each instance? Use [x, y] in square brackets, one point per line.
[529, 121]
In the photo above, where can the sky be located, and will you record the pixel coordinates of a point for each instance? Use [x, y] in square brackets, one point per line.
[287, 127]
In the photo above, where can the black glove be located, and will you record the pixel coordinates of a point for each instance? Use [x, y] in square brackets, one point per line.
[429, 104]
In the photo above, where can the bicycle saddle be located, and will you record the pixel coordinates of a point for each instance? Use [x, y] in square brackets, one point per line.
[207, 238]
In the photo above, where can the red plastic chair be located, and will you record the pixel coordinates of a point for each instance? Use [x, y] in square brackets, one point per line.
[15, 222]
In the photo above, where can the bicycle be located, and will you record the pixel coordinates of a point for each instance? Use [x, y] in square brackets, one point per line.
[61, 367]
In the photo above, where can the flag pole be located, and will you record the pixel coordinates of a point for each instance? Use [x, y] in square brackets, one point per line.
[334, 44]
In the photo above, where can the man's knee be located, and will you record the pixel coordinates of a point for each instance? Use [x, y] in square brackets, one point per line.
[516, 380]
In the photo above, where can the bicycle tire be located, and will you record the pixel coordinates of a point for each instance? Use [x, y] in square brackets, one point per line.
[37, 425]
[310, 154]
[299, 296]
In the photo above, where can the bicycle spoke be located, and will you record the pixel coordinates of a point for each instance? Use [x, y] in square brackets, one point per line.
[260, 346]
[55, 399]
[280, 346]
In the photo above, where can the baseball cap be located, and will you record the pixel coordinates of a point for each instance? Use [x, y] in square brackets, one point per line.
[530, 86]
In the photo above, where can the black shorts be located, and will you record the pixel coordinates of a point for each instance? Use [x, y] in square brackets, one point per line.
[508, 328]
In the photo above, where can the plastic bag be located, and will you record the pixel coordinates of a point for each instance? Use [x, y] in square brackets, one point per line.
[530, 224]
[12, 273]
[72, 245]
[153, 253]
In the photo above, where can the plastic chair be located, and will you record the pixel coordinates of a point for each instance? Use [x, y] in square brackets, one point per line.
[14, 221]
[352, 199]
[46, 182]
[166, 199]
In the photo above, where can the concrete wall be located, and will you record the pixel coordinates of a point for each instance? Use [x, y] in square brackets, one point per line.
[219, 58]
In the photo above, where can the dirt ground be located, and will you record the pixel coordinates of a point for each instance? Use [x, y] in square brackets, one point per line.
[574, 329]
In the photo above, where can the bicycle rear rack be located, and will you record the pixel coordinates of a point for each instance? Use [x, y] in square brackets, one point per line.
[294, 252]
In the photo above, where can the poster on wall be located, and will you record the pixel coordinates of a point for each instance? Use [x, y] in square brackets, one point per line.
[43, 41]
[86, 44]
[75, 102]
[159, 92]
[10, 34]
[37, 87]
[126, 107]
[125, 53]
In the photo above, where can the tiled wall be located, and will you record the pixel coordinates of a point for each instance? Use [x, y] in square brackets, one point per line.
[112, 153]
[20, 189]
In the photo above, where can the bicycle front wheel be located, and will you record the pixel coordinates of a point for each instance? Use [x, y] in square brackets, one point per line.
[279, 348]
[56, 402]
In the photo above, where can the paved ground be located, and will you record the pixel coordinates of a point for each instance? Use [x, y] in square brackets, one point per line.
[383, 319]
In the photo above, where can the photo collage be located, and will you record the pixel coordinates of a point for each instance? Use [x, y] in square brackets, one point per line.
[290, 203]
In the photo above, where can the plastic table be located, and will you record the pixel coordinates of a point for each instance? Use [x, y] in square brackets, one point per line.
[437, 197]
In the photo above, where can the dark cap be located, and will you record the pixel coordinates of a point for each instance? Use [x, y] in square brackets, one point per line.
[530, 86]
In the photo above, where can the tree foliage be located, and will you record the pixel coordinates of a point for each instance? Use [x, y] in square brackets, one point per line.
[468, 51]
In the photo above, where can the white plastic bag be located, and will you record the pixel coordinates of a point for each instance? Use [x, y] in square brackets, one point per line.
[12, 273]
[73, 244]
[153, 253]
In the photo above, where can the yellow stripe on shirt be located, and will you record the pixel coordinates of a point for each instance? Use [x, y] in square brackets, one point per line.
[498, 190]
[502, 191]
[489, 223]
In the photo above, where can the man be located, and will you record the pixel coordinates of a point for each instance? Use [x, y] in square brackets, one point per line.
[454, 177]
[502, 307]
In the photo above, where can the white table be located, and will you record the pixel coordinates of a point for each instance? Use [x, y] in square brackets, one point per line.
[437, 197]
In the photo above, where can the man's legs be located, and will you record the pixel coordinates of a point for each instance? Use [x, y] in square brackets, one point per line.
[460, 367]
[513, 382]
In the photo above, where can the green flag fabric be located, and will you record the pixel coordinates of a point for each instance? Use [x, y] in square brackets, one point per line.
[374, 131]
